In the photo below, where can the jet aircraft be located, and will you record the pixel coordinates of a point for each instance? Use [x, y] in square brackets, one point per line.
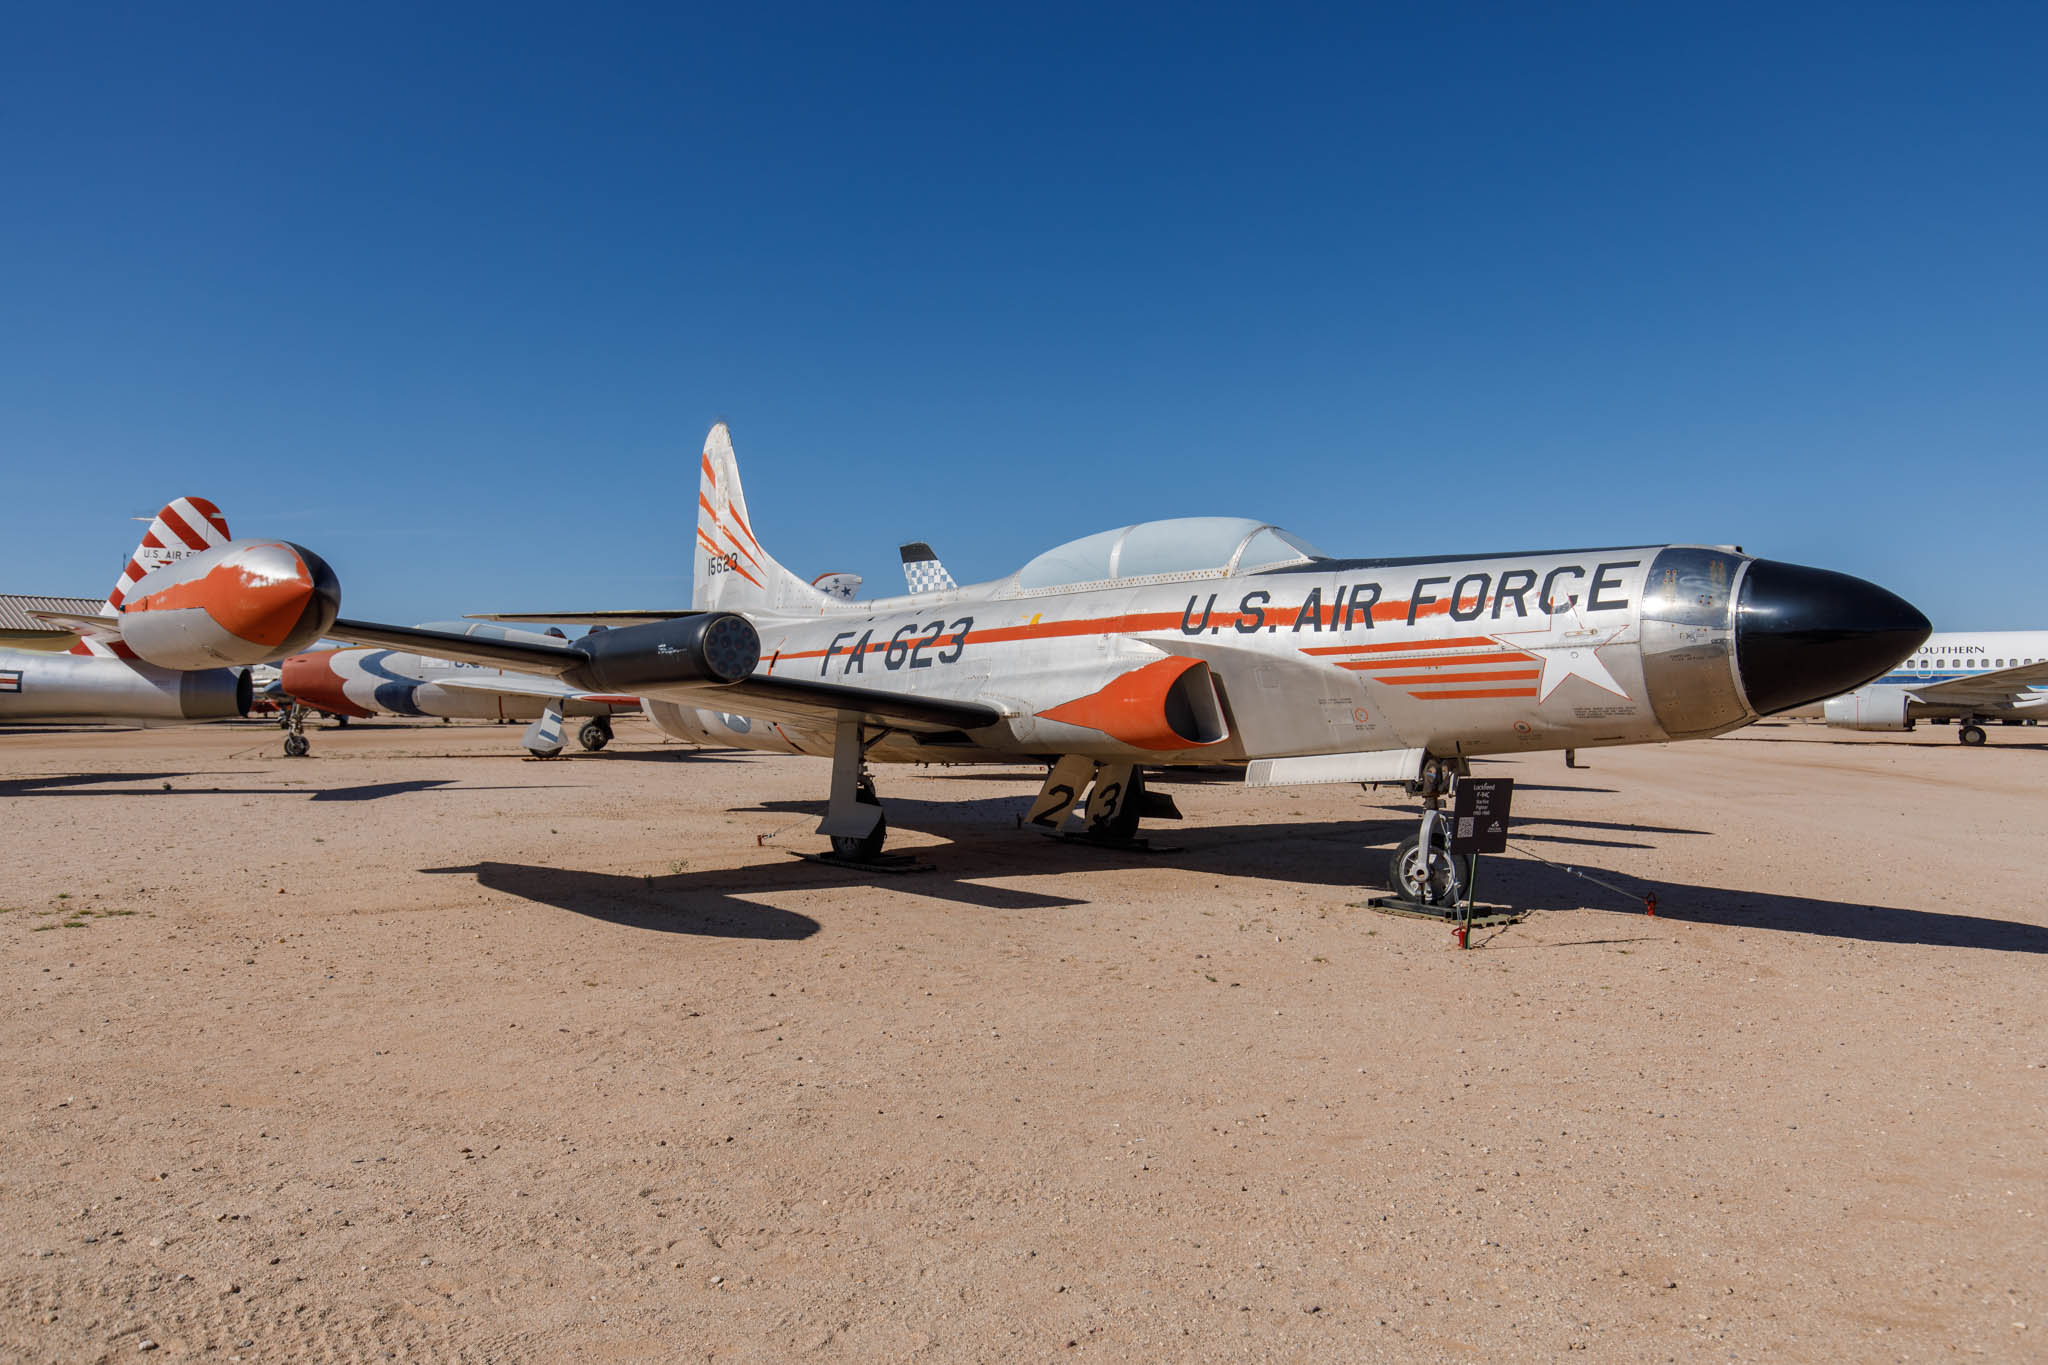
[191, 607]
[1965, 677]
[1211, 641]
[369, 682]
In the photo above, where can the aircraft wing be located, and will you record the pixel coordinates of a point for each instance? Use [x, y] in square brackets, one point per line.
[583, 618]
[85, 623]
[515, 686]
[804, 700]
[2003, 687]
[529, 657]
[815, 701]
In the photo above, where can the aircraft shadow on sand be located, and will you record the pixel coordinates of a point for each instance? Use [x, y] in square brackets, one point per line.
[1351, 856]
[675, 755]
[709, 903]
[96, 784]
[2032, 745]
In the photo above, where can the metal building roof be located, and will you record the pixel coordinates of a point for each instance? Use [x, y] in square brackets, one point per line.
[15, 609]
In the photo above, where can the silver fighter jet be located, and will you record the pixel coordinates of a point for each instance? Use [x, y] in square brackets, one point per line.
[1220, 641]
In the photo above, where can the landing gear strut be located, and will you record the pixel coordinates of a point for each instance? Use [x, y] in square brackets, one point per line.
[1422, 869]
[296, 745]
[853, 815]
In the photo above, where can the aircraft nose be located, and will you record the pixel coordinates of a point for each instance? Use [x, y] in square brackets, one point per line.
[311, 678]
[1803, 634]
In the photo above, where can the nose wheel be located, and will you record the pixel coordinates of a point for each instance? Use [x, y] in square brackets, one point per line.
[1426, 874]
[296, 745]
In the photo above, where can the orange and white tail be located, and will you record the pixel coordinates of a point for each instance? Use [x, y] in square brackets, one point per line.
[186, 526]
[729, 569]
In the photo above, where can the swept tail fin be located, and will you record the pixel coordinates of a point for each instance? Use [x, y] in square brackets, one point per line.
[729, 569]
[184, 527]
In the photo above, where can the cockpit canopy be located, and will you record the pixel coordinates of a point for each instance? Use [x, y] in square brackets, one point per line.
[1178, 547]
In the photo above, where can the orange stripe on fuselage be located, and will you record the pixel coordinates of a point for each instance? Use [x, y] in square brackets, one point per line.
[1224, 624]
[1456, 642]
[1426, 679]
[1433, 661]
[1474, 692]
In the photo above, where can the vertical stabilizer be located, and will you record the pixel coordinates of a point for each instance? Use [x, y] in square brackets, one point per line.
[184, 527]
[729, 569]
[922, 571]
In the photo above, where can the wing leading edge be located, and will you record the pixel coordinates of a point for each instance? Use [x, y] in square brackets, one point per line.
[758, 694]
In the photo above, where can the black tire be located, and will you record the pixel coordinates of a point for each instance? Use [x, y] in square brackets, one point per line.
[1971, 735]
[1439, 881]
[1124, 824]
[296, 746]
[867, 847]
[593, 736]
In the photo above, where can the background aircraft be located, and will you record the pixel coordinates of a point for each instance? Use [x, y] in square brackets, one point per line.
[1968, 677]
[189, 601]
[370, 682]
[1224, 640]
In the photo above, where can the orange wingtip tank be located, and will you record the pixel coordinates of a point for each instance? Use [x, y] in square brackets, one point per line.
[244, 602]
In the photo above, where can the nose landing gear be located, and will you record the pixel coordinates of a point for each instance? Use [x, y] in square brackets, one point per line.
[296, 745]
[1429, 881]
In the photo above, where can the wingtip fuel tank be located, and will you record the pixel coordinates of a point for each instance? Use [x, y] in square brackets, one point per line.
[245, 602]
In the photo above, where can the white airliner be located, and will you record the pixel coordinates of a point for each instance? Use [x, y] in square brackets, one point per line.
[1965, 676]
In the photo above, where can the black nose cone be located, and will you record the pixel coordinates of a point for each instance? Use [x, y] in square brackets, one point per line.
[1805, 634]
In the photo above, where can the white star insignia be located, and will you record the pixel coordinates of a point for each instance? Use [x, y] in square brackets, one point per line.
[1569, 648]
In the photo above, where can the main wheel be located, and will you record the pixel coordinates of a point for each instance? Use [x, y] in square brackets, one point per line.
[1429, 879]
[1123, 824]
[296, 746]
[867, 847]
[593, 736]
[1971, 734]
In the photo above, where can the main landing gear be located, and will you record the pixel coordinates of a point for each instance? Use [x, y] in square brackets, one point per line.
[853, 813]
[595, 734]
[1971, 732]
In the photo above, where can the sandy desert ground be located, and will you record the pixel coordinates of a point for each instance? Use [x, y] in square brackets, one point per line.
[418, 1049]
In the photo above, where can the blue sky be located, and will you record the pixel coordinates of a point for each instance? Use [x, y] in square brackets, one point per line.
[452, 295]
